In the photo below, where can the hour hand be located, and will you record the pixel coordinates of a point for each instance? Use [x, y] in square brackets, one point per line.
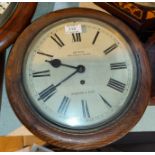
[57, 63]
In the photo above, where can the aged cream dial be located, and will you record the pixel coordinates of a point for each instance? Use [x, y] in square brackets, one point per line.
[79, 73]
[4, 6]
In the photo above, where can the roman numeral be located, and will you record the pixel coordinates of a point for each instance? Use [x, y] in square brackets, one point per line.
[119, 86]
[44, 54]
[47, 93]
[57, 40]
[111, 48]
[95, 38]
[76, 37]
[120, 65]
[85, 109]
[105, 101]
[41, 73]
[64, 105]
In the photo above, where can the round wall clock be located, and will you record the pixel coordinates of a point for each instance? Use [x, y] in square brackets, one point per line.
[14, 17]
[81, 79]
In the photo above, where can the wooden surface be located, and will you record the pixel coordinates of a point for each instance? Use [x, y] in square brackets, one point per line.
[16, 23]
[141, 19]
[150, 47]
[47, 131]
[15, 143]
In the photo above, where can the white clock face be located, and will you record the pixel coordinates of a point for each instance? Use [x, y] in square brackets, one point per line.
[6, 10]
[3, 7]
[79, 73]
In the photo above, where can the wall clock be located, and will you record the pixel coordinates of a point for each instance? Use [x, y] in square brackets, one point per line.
[14, 17]
[79, 80]
[139, 15]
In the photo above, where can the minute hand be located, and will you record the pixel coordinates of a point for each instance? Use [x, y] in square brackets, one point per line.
[79, 69]
[56, 63]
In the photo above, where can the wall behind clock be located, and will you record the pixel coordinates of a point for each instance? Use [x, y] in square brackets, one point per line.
[8, 121]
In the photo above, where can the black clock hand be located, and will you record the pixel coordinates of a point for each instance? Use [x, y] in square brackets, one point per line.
[51, 90]
[79, 69]
[57, 63]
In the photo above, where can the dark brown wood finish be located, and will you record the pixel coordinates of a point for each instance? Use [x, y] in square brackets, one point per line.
[150, 48]
[16, 23]
[141, 19]
[2, 61]
[55, 135]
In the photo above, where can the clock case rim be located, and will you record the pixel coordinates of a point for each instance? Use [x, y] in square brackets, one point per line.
[14, 25]
[56, 136]
[93, 127]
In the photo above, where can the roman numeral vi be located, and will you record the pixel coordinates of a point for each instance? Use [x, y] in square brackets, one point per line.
[64, 105]
[85, 109]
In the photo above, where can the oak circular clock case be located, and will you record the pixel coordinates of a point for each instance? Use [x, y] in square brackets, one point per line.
[14, 17]
[81, 79]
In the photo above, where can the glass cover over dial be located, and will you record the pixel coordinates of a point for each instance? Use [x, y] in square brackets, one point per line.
[79, 73]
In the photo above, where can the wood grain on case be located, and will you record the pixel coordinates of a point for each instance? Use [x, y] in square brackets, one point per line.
[150, 48]
[16, 23]
[141, 19]
[56, 135]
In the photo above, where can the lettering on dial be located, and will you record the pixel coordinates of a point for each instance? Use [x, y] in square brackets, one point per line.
[119, 65]
[85, 109]
[95, 38]
[64, 105]
[105, 101]
[111, 48]
[47, 93]
[116, 85]
[41, 53]
[76, 37]
[41, 73]
[57, 40]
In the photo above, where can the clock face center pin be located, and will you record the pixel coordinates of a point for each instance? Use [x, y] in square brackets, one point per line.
[56, 63]
[81, 68]
[82, 82]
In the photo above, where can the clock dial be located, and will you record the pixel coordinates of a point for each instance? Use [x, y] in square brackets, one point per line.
[6, 10]
[79, 73]
[4, 6]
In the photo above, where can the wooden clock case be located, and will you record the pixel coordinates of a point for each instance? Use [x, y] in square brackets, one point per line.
[16, 23]
[58, 136]
[141, 19]
[150, 48]
[10, 30]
